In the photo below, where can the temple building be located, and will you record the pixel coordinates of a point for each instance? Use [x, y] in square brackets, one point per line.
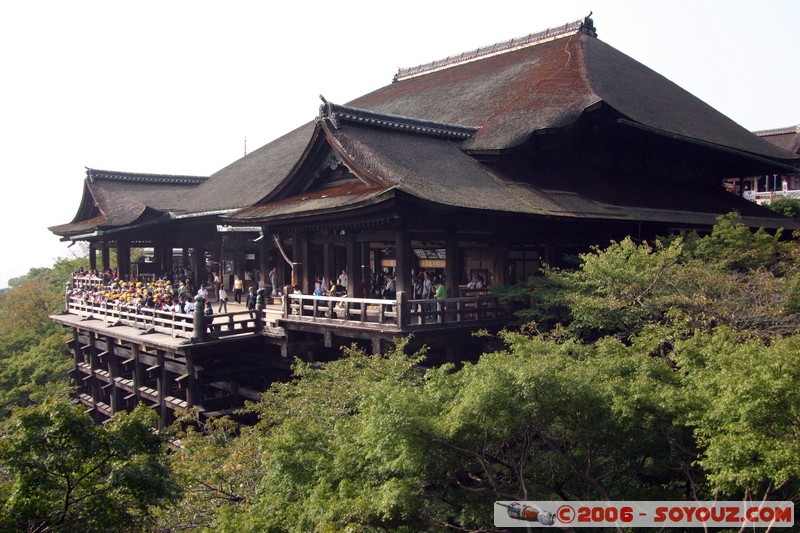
[763, 189]
[487, 164]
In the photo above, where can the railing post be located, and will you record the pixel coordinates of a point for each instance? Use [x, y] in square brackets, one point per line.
[402, 314]
[199, 320]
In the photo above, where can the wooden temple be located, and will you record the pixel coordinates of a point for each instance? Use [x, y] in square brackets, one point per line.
[491, 162]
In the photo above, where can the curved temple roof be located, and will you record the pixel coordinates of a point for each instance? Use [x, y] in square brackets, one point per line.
[114, 199]
[488, 101]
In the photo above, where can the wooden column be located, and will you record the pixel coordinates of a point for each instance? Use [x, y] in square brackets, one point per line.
[403, 257]
[166, 252]
[92, 256]
[238, 256]
[353, 265]
[327, 271]
[198, 265]
[500, 272]
[92, 381]
[113, 372]
[193, 385]
[364, 270]
[162, 384]
[300, 255]
[265, 246]
[123, 257]
[452, 270]
[184, 258]
[137, 372]
[105, 256]
[550, 254]
[158, 255]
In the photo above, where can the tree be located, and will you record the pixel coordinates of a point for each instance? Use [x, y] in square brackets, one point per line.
[743, 402]
[749, 280]
[219, 466]
[786, 206]
[65, 473]
[33, 356]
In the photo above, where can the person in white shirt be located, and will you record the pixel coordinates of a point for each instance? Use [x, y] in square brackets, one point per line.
[475, 283]
[223, 300]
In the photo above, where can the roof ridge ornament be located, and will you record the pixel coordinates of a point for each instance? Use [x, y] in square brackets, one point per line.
[585, 25]
[335, 114]
[93, 174]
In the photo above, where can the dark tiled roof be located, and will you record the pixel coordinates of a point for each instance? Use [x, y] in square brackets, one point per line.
[586, 25]
[339, 113]
[115, 199]
[786, 138]
[131, 177]
[329, 199]
[435, 170]
[251, 178]
[511, 95]
[413, 137]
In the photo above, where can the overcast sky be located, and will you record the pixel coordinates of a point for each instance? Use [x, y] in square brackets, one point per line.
[174, 87]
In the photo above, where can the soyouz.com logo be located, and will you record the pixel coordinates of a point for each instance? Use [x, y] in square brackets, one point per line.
[643, 514]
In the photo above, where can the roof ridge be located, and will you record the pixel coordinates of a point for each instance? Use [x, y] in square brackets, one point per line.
[339, 113]
[585, 25]
[93, 174]
[778, 131]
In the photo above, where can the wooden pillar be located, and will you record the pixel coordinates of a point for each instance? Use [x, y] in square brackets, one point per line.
[550, 254]
[199, 265]
[364, 270]
[166, 253]
[113, 372]
[92, 256]
[184, 258]
[300, 257]
[327, 270]
[452, 271]
[403, 256]
[193, 385]
[158, 255]
[500, 273]
[238, 257]
[162, 385]
[353, 266]
[265, 246]
[137, 372]
[105, 256]
[92, 381]
[123, 257]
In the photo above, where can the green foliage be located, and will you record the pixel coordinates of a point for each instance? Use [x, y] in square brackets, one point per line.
[743, 400]
[65, 473]
[33, 357]
[31, 369]
[786, 206]
[322, 470]
[733, 246]
[748, 280]
[219, 467]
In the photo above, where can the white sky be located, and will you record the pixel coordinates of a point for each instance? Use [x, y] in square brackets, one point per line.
[174, 87]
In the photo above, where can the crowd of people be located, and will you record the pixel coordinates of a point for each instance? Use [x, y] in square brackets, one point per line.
[159, 295]
[172, 292]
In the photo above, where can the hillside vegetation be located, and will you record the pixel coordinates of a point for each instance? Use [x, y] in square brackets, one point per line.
[666, 370]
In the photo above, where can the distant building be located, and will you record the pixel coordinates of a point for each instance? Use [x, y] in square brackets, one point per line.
[763, 189]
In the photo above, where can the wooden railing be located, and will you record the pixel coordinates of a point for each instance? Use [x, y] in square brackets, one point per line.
[179, 325]
[365, 313]
[400, 314]
[768, 196]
